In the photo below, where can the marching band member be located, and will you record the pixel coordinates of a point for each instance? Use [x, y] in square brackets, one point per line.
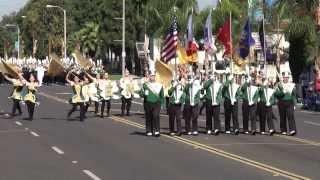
[127, 90]
[231, 94]
[213, 98]
[267, 98]
[93, 91]
[86, 93]
[107, 88]
[16, 95]
[176, 99]
[77, 98]
[154, 94]
[250, 96]
[286, 96]
[30, 97]
[191, 108]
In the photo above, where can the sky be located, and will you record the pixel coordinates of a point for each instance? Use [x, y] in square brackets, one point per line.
[8, 6]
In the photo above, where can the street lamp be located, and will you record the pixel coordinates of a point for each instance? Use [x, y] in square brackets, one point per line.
[18, 29]
[123, 54]
[65, 27]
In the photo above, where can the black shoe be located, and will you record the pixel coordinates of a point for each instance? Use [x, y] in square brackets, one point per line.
[128, 114]
[108, 115]
[102, 116]
[236, 132]
[253, 133]
[179, 134]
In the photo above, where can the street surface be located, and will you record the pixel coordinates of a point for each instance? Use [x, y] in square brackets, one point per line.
[115, 148]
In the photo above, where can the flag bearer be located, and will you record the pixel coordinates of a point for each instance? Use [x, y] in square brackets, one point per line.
[176, 99]
[154, 94]
[267, 98]
[250, 96]
[231, 94]
[213, 99]
[191, 107]
[286, 96]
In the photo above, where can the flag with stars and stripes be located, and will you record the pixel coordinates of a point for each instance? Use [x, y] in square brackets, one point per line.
[169, 49]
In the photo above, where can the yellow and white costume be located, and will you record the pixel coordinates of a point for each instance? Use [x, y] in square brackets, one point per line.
[17, 90]
[129, 88]
[31, 93]
[108, 89]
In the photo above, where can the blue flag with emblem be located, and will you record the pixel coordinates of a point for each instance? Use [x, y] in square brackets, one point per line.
[246, 41]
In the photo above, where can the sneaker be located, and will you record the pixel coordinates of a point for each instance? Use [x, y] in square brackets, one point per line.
[228, 132]
[209, 132]
[195, 133]
[253, 133]
[284, 133]
[246, 132]
[189, 133]
[149, 134]
[263, 133]
[172, 134]
[271, 132]
[292, 133]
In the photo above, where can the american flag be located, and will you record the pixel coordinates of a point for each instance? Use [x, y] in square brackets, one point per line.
[170, 42]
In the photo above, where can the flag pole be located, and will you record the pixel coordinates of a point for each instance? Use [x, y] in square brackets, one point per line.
[264, 45]
[231, 48]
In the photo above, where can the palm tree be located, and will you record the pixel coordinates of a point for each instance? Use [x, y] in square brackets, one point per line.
[88, 38]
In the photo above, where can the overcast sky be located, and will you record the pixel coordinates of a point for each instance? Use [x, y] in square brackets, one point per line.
[8, 6]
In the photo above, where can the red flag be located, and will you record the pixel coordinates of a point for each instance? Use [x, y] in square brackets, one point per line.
[224, 37]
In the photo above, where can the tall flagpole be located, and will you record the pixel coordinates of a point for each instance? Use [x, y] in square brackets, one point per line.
[231, 48]
[264, 44]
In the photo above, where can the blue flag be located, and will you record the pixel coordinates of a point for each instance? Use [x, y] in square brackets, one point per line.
[246, 41]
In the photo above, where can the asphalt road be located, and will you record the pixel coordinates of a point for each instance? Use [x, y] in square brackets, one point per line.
[50, 147]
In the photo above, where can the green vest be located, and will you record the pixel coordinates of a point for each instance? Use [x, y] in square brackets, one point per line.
[253, 96]
[192, 94]
[286, 92]
[267, 96]
[152, 92]
[176, 95]
[226, 90]
[213, 92]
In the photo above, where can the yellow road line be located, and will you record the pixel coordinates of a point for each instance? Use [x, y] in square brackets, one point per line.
[222, 153]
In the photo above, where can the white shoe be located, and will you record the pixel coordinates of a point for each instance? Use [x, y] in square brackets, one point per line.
[172, 134]
[149, 134]
[216, 131]
[263, 133]
[228, 132]
[247, 132]
[189, 133]
[157, 133]
[292, 133]
[195, 133]
[284, 133]
[209, 132]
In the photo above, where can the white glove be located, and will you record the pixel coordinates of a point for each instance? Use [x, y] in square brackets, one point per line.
[146, 92]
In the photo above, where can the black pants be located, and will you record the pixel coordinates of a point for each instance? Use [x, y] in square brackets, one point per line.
[249, 113]
[202, 107]
[96, 107]
[103, 104]
[16, 106]
[30, 107]
[82, 110]
[268, 117]
[153, 117]
[231, 111]
[286, 111]
[175, 116]
[212, 112]
[126, 105]
[191, 114]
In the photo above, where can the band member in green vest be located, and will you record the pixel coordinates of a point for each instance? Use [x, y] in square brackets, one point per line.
[213, 99]
[154, 94]
[191, 107]
[16, 94]
[287, 98]
[231, 93]
[268, 99]
[250, 96]
[176, 100]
